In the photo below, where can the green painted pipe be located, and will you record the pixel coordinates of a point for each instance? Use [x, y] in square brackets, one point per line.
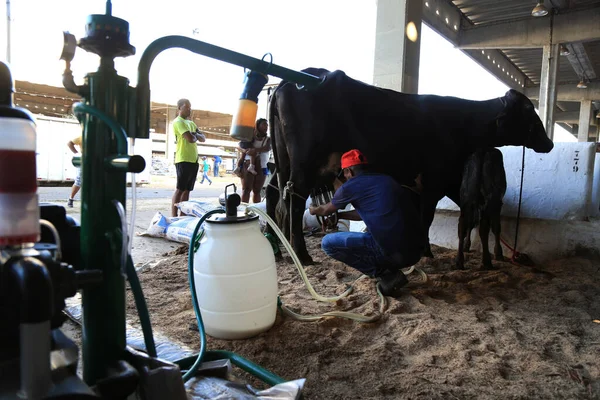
[120, 134]
[208, 50]
[134, 164]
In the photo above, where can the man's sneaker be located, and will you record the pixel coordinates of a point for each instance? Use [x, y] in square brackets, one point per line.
[70, 203]
[390, 283]
[251, 169]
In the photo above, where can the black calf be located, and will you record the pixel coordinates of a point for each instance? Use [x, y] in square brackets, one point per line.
[481, 192]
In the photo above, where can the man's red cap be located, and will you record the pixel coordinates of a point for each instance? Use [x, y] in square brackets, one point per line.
[352, 158]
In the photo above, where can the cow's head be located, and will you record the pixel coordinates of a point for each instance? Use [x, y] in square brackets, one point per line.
[518, 124]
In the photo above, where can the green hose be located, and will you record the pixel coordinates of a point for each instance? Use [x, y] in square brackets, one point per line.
[247, 365]
[142, 308]
[192, 371]
[192, 363]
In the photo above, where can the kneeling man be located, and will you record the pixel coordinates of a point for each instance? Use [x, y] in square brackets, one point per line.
[391, 212]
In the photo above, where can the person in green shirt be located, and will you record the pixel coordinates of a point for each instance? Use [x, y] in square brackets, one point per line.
[186, 154]
[205, 170]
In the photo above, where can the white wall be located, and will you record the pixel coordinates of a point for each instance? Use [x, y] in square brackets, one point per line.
[557, 185]
[542, 240]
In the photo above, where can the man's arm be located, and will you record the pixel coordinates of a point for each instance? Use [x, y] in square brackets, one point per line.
[189, 137]
[323, 210]
[352, 215]
[200, 136]
[71, 146]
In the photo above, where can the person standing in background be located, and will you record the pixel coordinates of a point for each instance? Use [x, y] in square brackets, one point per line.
[186, 154]
[205, 170]
[216, 164]
[78, 141]
[258, 155]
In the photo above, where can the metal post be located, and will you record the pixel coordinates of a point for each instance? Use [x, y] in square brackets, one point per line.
[167, 140]
[550, 60]
[8, 31]
[585, 112]
[398, 45]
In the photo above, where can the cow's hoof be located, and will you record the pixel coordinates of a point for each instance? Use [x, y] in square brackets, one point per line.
[306, 260]
[428, 254]
[460, 267]
[499, 257]
[486, 267]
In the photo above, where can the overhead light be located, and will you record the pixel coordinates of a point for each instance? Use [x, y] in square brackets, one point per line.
[581, 85]
[564, 51]
[539, 10]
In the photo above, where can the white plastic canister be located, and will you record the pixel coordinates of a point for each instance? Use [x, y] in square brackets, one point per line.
[19, 211]
[235, 278]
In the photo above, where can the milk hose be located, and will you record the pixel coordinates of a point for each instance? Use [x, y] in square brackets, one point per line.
[136, 287]
[133, 202]
[315, 295]
[56, 236]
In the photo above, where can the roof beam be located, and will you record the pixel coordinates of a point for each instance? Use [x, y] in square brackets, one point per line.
[574, 26]
[569, 92]
[572, 117]
[580, 61]
[442, 16]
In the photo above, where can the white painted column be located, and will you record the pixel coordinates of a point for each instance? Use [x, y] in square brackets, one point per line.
[550, 60]
[585, 112]
[396, 53]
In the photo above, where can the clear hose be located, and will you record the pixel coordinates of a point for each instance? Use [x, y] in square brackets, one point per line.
[314, 294]
[56, 237]
[133, 202]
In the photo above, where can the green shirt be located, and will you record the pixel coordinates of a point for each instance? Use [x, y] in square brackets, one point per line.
[186, 151]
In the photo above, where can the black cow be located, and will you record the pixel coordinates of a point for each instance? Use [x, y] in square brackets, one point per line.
[481, 193]
[400, 134]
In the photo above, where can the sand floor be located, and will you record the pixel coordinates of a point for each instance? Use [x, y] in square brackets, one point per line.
[512, 333]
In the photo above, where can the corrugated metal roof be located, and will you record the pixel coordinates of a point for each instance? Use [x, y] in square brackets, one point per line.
[530, 62]
[488, 12]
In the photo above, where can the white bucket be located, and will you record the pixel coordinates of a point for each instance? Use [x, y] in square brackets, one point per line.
[235, 280]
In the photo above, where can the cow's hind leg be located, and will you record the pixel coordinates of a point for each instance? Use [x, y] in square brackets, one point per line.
[427, 214]
[467, 245]
[272, 200]
[496, 228]
[484, 234]
[462, 229]
[297, 240]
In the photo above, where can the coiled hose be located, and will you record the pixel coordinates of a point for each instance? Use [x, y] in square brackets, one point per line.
[314, 294]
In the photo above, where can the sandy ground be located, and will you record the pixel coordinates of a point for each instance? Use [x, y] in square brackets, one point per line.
[512, 333]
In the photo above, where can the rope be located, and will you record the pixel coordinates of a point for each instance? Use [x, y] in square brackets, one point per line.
[519, 208]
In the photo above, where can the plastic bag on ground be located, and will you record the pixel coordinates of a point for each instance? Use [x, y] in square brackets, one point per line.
[181, 230]
[196, 208]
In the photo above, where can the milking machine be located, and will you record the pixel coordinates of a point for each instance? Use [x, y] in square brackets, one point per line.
[37, 361]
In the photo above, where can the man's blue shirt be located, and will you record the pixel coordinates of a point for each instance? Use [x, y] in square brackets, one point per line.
[390, 211]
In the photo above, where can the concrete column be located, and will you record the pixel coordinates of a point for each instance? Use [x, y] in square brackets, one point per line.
[585, 112]
[396, 53]
[550, 60]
